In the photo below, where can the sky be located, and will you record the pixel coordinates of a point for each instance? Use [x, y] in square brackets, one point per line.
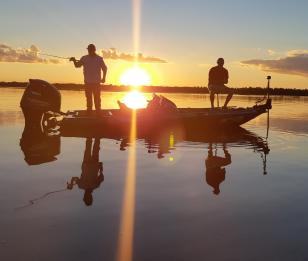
[179, 40]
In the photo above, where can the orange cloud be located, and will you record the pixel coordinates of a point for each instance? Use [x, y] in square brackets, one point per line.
[23, 55]
[113, 54]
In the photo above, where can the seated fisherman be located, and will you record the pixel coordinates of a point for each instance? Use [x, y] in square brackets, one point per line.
[218, 77]
[215, 172]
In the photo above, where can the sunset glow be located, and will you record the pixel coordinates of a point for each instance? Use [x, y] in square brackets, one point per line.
[135, 100]
[135, 76]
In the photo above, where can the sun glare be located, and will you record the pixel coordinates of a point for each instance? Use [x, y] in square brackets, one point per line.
[135, 76]
[135, 100]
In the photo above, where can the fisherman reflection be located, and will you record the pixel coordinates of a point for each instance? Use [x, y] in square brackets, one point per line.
[92, 172]
[215, 171]
[124, 144]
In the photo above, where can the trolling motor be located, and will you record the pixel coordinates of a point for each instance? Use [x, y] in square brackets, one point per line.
[39, 97]
[268, 86]
[268, 104]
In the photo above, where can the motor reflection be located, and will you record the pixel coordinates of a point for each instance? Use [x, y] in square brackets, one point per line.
[39, 147]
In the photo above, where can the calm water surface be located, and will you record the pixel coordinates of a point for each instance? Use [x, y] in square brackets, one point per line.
[195, 199]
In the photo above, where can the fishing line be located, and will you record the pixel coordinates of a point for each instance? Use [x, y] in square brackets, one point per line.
[32, 201]
[54, 56]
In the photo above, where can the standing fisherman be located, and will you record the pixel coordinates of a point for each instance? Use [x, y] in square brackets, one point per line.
[92, 64]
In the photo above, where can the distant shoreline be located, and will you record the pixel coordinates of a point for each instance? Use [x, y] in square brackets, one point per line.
[168, 89]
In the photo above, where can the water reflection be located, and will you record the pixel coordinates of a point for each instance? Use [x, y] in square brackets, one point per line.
[40, 147]
[91, 171]
[215, 172]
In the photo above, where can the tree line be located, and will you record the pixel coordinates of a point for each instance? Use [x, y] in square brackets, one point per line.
[171, 89]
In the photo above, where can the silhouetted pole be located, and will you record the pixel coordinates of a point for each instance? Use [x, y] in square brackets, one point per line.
[268, 86]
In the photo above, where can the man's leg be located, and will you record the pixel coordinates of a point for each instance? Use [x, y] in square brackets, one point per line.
[97, 97]
[87, 151]
[88, 93]
[95, 151]
[229, 97]
[212, 98]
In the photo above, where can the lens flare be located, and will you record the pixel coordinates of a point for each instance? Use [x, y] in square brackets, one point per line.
[135, 100]
[126, 233]
[135, 76]
[126, 236]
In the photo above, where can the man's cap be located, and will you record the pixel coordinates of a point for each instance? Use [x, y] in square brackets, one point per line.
[91, 46]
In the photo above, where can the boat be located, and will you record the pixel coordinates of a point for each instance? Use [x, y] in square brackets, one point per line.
[41, 146]
[41, 105]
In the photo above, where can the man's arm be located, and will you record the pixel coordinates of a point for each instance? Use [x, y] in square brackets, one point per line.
[227, 155]
[226, 77]
[77, 63]
[210, 76]
[73, 182]
[104, 69]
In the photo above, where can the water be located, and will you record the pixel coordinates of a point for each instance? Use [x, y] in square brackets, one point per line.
[259, 214]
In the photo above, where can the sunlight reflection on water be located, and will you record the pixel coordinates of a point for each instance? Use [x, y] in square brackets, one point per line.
[176, 212]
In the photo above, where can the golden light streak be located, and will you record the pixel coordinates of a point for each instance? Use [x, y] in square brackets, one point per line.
[171, 140]
[136, 27]
[171, 145]
[126, 236]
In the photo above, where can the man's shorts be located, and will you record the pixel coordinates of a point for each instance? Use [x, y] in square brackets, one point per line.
[215, 88]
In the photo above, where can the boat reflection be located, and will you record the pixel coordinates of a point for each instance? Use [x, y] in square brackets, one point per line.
[91, 171]
[40, 147]
[164, 142]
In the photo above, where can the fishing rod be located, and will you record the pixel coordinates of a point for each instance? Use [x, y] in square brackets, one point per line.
[55, 56]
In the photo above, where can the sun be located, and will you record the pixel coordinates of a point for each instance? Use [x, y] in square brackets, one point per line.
[135, 100]
[135, 76]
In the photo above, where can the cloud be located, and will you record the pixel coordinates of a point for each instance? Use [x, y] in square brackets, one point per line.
[295, 62]
[113, 54]
[23, 55]
[271, 52]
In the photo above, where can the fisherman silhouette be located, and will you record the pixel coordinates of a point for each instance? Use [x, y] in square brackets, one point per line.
[215, 172]
[218, 77]
[92, 172]
[92, 64]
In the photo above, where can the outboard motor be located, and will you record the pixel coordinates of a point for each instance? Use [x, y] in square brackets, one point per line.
[38, 98]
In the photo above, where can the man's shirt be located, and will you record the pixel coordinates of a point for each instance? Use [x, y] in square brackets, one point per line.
[218, 76]
[92, 68]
